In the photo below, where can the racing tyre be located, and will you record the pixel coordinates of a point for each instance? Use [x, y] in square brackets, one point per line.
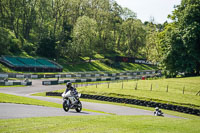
[79, 107]
[66, 105]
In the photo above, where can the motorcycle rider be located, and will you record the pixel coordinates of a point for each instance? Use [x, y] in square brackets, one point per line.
[72, 89]
[160, 113]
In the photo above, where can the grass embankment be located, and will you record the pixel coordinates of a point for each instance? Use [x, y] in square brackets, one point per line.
[99, 66]
[99, 124]
[158, 91]
[6, 69]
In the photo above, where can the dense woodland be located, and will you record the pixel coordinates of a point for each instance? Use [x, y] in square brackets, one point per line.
[70, 29]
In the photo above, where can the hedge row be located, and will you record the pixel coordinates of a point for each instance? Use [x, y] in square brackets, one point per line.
[136, 102]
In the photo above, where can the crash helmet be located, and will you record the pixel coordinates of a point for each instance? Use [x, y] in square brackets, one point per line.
[156, 108]
[69, 84]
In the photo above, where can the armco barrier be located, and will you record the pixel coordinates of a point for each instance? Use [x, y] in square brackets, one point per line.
[136, 102]
[10, 83]
[35, 76]
[55, 82]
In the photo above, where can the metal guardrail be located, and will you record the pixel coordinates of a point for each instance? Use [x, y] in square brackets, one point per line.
[77, 74]
[10, 83]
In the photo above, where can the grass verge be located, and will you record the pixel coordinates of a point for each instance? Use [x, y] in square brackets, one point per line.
[101, 124]
[8, 98]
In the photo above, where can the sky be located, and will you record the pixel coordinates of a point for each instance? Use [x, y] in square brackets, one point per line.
[146, 9]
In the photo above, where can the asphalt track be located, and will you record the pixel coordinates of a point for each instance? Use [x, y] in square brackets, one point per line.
[10, 111]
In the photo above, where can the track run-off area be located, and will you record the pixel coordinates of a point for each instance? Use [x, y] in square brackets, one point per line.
[11, 111]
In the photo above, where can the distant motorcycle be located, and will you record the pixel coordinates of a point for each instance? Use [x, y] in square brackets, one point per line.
[158, 112]
[71, 102]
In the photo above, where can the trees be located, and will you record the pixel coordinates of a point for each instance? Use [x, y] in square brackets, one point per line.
[152, 46]
[181, 44]
[74, 28]
[8, 42]
[133, 37]
[84, 36]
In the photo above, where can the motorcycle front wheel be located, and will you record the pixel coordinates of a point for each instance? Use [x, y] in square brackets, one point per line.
[66, 105]
[79, 107]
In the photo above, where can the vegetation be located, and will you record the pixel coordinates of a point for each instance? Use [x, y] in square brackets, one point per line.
[73, 29]
[180, 40]
[99, 124]
[162, 90]
[68, 29]
[5, 69]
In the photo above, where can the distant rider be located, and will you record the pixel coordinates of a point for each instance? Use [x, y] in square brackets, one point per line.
[158, 111]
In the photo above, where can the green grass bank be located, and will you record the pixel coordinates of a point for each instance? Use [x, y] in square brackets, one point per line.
[177, 91]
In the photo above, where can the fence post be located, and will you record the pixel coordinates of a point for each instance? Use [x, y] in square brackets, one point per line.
[198, 93]
[151, 87]
[96, 85]
[183, 89]
[167, 88]
[108, 84]
[122, 84]
[136, 86]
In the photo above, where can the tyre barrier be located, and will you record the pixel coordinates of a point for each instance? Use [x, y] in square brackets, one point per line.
[10, 83]
[136, 102]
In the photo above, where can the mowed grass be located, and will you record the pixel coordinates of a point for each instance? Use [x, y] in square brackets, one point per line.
[158, 92]
[101, 124]
[7, 98]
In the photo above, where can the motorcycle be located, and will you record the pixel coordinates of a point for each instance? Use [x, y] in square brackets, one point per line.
[71, 102]
[158, 113]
